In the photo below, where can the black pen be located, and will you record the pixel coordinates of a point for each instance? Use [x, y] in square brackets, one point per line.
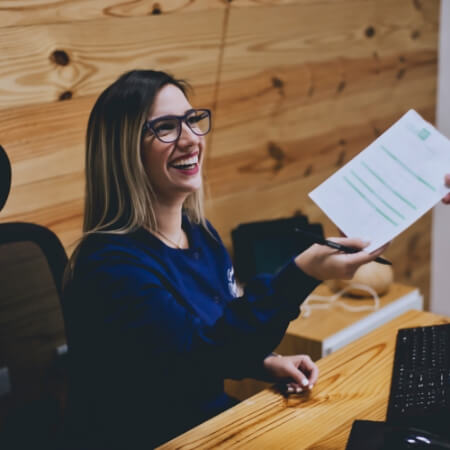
[344, 248]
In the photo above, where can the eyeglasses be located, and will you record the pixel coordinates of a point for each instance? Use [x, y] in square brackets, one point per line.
[168, 128]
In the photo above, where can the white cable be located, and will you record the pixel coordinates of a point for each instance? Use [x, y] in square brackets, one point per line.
[329, 301]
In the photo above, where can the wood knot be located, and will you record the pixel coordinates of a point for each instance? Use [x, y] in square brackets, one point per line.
[415, 34]
[156, 9]
[413, 243]
[370, 31]
[66, 95]
[401, 74]
[276, 153]
[308, 171]
[60, 57]
[341, 86]
[278, 83]
[401, 58]
[341, 159]
[342, 142]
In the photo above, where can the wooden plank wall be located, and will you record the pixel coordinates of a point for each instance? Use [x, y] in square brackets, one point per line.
[304, 86]
[298, 87]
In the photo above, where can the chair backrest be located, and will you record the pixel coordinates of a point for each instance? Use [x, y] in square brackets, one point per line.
[32, 263]
[265, 246]
[5, 177]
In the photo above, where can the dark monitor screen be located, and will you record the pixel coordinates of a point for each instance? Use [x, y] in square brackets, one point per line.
[266, 246]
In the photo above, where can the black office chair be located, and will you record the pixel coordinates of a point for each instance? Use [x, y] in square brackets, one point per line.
[5, 177]
[32, 262]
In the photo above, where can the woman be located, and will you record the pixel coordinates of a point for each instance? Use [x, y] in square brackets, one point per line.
[153, 319]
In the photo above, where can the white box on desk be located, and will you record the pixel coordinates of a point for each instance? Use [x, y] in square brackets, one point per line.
[412, 300]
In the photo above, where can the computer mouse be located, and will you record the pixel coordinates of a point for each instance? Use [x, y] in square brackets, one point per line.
[415, 438]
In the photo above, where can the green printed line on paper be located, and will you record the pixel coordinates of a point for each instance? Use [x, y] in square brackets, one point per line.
[381, 180]
[381, 199]
[375, 207]
[411, 172]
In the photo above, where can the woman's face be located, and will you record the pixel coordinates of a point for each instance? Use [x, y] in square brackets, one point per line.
[174, 169]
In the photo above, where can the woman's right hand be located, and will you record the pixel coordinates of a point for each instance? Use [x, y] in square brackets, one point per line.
[325, 263]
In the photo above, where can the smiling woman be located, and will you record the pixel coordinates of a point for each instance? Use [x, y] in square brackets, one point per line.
[154, 319]
[173, 146]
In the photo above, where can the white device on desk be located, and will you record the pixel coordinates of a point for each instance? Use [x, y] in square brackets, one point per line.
[326, 331]
[370, 281]
[413, 300]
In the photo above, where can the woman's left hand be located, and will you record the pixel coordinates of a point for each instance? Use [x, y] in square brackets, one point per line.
[298, 372]
[446, 199]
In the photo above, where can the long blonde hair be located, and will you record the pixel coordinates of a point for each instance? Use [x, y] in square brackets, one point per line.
[119, 197]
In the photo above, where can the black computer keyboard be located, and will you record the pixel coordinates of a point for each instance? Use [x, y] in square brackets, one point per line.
[420, 384]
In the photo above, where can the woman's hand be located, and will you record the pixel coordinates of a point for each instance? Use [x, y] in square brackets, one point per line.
[325, 263]
[446, 199]
[298, 371]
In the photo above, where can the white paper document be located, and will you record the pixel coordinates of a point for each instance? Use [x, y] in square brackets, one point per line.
[390, 184]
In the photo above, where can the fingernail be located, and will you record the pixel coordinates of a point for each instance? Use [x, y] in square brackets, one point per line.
[290, 389]
[310, 386]
[298, 389]
[305, 382]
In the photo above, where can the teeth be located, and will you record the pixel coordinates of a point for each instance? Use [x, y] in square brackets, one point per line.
[186, 161]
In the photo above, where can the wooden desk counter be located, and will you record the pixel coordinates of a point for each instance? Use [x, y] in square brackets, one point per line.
[353, 384]
[327, 330]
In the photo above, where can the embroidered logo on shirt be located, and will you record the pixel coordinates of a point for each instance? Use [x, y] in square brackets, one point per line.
[232, 285]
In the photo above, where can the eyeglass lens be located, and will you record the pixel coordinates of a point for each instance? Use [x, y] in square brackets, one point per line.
[168, 129]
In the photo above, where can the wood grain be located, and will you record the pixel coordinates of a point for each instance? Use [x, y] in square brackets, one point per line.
[317, 32]
[353, 384]
[51, 62]
[292, 103]
[33, 12]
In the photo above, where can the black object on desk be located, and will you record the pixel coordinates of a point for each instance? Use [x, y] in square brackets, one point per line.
[371, 435]
[265, 246]
[420, 383]
[418, 414]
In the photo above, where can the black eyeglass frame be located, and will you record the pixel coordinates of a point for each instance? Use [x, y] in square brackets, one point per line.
[150, 125]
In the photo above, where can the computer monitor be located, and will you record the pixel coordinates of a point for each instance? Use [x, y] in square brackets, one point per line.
[266, 246]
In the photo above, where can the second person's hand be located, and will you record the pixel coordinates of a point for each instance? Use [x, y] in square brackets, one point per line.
[446, 199]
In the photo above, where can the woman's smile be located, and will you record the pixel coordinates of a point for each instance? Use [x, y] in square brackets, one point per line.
[187, 164]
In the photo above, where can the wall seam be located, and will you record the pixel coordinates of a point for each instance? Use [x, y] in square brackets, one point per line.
[219, 69]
